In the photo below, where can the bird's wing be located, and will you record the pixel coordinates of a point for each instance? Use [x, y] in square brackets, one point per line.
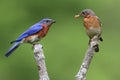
[100, 23]
[32, 30]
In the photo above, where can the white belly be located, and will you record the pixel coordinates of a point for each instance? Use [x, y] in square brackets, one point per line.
[34, 38]
[31, 40]
[93, 31]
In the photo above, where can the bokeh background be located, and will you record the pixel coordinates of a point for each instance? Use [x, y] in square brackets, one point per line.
[66, 43]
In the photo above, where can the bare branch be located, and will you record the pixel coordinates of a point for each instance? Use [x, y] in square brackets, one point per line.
[40, 60]
[81, 75]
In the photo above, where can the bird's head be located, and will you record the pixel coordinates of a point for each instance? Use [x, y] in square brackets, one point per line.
[47, 22]
[85, 13]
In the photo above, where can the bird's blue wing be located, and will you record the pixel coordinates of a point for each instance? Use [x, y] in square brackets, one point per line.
[32, 30]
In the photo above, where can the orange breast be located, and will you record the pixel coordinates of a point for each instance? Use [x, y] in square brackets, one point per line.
[91, 21]
[43, 32]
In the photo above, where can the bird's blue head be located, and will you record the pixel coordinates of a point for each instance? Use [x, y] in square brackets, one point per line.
[47, 21]
[87, 12]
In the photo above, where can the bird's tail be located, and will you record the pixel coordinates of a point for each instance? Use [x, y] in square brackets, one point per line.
[16, 45]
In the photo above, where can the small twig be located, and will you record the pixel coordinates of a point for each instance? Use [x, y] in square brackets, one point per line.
[40, 60]
[81, 75]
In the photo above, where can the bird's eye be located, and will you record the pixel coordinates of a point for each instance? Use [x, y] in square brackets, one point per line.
[47, 21]
[83, 12]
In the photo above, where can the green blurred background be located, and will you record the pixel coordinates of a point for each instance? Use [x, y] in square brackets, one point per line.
[66, 43]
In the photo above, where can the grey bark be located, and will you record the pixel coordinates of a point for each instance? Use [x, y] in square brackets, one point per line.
[40, 60]
[81, 75]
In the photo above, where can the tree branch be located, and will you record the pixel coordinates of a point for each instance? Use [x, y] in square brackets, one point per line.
[81, 75]
[40, 60]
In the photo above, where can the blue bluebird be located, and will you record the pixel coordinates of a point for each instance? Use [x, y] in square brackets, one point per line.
[33, 34]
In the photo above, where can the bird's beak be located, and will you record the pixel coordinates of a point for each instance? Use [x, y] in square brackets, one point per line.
[77, 16]
[53, 21]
